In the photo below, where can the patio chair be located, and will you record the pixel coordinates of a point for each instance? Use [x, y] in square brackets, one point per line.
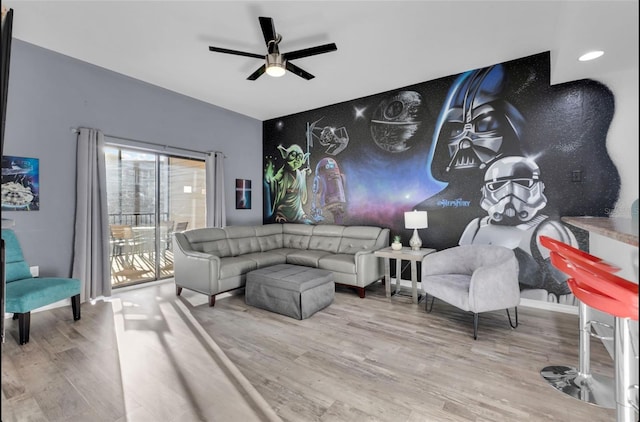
[125, 243]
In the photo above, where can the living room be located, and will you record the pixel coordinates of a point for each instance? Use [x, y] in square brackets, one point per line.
[51, 94]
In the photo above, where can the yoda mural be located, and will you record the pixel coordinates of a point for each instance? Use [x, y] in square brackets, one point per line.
[286, 188]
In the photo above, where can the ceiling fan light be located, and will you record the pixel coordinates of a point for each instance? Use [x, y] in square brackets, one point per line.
[275, 65]
[275, 70]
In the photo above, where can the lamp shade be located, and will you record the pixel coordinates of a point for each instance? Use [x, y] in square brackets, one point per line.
[416, 220]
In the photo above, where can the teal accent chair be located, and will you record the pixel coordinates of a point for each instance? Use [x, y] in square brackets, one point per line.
[25, 293]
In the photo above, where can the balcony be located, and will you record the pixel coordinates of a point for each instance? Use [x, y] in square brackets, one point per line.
[139, 267]
[135, 255]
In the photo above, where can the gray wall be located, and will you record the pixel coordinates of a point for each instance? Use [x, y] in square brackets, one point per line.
[50, 93]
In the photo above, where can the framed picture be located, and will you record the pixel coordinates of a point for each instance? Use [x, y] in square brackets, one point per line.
[243, 194]
[20, 184]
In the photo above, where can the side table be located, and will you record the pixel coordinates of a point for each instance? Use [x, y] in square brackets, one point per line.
[404, 254]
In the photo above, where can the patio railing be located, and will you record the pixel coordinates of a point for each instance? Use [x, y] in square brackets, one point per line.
[137, 219]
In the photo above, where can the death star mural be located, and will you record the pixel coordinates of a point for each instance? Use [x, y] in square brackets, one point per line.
[396, 120]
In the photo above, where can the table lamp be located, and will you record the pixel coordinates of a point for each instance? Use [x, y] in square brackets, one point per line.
[415, 220]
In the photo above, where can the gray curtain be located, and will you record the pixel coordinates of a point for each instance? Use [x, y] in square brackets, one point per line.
[5, 52]
[216, 214]
[91, 236]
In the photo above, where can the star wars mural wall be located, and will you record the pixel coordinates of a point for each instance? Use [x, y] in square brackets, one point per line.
[495, 155]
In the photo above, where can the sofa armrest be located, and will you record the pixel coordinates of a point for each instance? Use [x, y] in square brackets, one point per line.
[195, 270]
[369, 268]
[200, 255]
[360, 258]
[383, 239]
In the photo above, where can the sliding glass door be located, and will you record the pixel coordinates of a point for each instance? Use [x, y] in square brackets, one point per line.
[150, 196]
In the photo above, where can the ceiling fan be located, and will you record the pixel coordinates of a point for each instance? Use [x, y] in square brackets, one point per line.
[276, 62]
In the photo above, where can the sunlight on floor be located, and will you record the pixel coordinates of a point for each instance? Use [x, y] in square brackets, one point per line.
[158, 342]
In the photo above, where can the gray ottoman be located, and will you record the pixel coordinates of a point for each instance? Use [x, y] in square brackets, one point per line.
[290, 290]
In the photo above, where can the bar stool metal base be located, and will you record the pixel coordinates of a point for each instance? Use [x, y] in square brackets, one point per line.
[594, 388]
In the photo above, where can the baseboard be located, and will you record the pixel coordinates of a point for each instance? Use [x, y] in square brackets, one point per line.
[527, 303]
[59, 304]
[549, 306]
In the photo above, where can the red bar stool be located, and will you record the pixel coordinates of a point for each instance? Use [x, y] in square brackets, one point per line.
[564, 249]
[580, 383]
[595, 285]
[618, 297]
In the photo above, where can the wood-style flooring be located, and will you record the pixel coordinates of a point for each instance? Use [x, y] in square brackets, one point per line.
[146, 355]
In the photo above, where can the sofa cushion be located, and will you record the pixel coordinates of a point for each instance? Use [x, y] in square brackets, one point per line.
[284, 251]
[209, 240]
[307, 258]
[266, 259]
[296, 236]
[359, 238]
[269, 236]
[236, 265]
[326, 238]
[342, 263]
[242, 240]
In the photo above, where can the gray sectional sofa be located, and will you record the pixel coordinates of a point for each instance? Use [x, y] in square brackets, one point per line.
[216, 260]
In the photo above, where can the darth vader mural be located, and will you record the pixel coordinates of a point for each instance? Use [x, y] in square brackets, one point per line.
[495, 155]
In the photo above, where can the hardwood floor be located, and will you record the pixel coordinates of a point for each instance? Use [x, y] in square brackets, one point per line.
[149, 356]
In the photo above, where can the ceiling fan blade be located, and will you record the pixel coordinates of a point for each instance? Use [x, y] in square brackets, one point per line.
[236, 52]
[300, 72]
[255, 75]
[268, 29]
[312, 51]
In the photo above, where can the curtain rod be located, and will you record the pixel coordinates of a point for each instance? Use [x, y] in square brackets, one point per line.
[77, 130]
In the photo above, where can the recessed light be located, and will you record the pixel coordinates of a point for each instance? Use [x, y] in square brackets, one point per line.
[591, 55]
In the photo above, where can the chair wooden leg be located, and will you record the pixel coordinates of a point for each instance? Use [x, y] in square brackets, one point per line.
[509, 316]
[475, 326]
[178, 290]
[75, 306]
[212, 300]
[361, 292]
[24, 322]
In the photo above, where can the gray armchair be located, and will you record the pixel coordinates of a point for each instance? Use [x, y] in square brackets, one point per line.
[475, 278]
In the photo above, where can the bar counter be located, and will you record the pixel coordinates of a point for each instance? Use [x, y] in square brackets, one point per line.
[622, 229]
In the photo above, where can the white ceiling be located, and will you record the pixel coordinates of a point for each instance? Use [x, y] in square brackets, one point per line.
[382, 45]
